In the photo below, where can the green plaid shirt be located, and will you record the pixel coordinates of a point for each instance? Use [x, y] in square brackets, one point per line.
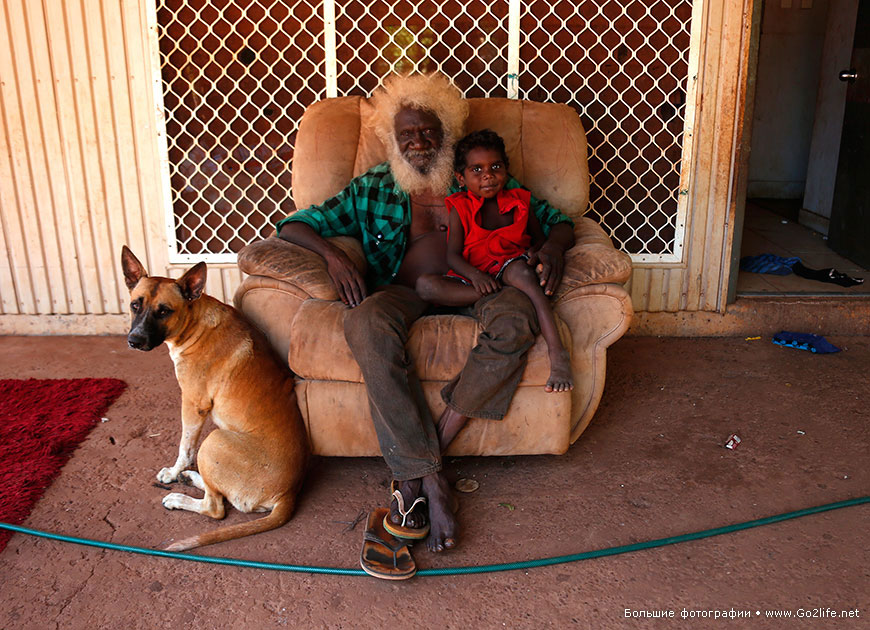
[373, 209]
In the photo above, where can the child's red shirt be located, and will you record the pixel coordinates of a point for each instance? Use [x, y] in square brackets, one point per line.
[489, 250]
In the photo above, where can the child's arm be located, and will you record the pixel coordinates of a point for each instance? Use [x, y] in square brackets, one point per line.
[534, 230]
[547, 255]
[533, 227]
[482, 282]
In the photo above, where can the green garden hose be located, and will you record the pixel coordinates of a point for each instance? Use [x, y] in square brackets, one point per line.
[489, 568]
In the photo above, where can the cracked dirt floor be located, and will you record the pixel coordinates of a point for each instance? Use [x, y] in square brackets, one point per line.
[651, 465]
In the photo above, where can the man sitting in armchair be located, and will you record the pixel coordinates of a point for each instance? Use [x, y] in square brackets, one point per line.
[397, 211]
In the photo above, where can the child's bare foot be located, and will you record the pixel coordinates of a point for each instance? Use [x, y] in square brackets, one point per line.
[561, 379]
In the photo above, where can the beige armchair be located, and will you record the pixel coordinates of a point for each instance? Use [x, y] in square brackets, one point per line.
[289, 295]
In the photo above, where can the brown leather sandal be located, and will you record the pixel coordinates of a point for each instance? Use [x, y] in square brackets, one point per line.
[382, 555]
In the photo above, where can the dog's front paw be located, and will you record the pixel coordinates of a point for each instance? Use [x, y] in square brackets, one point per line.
[173, 501]
[167, 475]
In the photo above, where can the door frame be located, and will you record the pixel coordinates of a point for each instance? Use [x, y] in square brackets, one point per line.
[743, 144]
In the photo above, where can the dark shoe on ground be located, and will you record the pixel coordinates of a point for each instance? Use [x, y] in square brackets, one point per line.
[382, 555]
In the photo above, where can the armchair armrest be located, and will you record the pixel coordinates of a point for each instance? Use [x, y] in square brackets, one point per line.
[592, 260]
[278, 259]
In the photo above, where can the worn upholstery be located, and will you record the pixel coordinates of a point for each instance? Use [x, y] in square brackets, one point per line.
[289, 295]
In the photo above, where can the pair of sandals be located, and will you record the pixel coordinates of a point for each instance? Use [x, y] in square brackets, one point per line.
[385, 552]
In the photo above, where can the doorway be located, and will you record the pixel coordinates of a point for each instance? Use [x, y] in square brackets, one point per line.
[795, 142]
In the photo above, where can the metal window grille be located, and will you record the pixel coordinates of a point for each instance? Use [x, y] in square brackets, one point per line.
[236, 76]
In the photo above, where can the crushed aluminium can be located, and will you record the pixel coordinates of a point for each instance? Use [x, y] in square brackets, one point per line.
[733, 441]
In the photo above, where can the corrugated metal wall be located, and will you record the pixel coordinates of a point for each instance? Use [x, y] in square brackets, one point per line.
[80, 166]
[79, 169]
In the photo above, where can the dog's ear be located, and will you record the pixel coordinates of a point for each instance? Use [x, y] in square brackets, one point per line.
[133, 269]
[193, 282]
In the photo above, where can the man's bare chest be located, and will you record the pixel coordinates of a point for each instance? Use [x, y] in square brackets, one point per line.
[427, 215]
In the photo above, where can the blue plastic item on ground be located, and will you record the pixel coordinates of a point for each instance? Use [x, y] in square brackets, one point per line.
[804, 341]
[768, 263]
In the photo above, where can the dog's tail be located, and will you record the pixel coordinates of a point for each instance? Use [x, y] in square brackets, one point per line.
[279, 515]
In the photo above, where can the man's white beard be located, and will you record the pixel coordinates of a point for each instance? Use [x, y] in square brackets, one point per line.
[436, 180]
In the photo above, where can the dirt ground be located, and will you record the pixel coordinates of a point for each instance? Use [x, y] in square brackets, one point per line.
[651, 465]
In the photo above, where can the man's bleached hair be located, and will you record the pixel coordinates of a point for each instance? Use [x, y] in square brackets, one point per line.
[429, 92]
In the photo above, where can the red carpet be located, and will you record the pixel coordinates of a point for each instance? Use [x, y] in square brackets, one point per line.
[41, 424]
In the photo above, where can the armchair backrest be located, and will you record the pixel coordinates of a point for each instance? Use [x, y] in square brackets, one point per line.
[546, 145]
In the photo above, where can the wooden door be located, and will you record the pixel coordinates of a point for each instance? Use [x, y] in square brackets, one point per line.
[849, 235]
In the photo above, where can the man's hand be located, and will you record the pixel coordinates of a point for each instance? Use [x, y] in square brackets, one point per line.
[484, 283]
[348, 280]
[345, 276]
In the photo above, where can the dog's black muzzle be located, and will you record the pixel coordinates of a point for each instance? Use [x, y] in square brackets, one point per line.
[138, 342]
[145, 335]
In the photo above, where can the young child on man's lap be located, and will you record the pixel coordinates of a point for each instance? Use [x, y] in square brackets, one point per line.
[491, 232]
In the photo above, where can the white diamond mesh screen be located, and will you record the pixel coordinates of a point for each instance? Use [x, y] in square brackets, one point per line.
[237, 75]
[623, 66]
[466, 41]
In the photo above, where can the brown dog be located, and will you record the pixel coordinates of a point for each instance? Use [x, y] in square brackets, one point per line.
[257, 455]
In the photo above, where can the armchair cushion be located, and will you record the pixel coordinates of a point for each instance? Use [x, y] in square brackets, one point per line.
[438, 344]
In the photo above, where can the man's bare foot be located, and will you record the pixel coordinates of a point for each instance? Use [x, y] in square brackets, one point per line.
[442, 521]
[561, 379]
[410, 491]
[449, 425]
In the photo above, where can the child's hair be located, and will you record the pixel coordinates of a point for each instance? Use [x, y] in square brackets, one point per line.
[483, 139]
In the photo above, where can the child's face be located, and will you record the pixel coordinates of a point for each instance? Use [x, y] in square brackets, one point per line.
[485, 173]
